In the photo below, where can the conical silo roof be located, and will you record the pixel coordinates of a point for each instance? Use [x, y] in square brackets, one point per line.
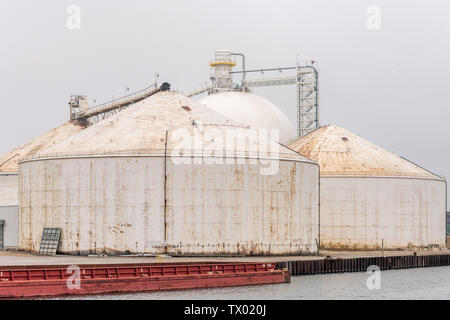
[9, 160]
[341, 152]
[142, 127]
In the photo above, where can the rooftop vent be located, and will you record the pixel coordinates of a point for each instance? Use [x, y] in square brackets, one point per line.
[165, 86]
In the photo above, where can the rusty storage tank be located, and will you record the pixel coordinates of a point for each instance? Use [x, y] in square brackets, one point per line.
[168, 175]
[9, 169]
[252, 110]
[370, 197]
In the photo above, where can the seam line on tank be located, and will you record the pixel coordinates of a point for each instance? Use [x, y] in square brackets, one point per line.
[376, 177]
[159, 156]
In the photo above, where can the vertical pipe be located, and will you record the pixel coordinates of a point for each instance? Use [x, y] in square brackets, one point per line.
[446, 206]
[165, 192]
[318, 205]
[243, 66]
[298, 103]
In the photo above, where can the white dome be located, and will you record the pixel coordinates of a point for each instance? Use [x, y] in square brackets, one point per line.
[252, 110]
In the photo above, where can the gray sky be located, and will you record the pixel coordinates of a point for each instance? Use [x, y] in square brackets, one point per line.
[390, 85]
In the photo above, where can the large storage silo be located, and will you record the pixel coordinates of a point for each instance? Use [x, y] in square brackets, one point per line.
[147, 181]
[253, 110]
[9, 176]
[370, 197]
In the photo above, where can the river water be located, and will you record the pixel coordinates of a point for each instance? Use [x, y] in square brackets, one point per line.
[420, 283]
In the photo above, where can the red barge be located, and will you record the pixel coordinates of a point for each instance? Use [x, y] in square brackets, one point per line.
[46, 281]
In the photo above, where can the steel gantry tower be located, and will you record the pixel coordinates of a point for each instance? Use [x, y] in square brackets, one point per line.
[307, 99]
[305, 79]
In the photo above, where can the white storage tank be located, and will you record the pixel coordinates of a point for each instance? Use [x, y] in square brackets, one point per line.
[371, 198]
[253, 110]
[158, 178]
[9, 169]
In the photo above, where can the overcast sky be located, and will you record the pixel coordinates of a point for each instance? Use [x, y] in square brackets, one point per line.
[389, 85]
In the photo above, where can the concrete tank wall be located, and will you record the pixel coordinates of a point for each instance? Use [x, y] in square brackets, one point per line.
[9, 189]
[232, 209]
[117, 204]
[358, 212]
[101, 204]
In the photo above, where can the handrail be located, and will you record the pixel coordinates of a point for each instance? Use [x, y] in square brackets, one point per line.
[199, 90]
[91, 272]
[119, 102]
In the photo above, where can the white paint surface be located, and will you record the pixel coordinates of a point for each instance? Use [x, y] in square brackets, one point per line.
[8, 189]
[117, 204]
[361, 212]
[251, 110]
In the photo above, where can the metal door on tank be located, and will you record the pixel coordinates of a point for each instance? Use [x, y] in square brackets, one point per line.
[2, 224]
